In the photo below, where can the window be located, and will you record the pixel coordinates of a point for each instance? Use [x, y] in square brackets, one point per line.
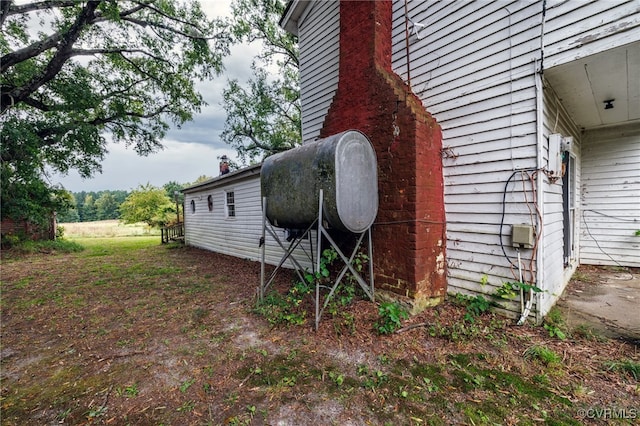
[231, 206]
[210, 202]
[193, 206]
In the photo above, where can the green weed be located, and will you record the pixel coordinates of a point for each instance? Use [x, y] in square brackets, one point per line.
[458, 331]
[96, 412]
[476, 306]
[627, 366]
[187, 406]
[371, 379]
[587, 332]
[543, 354]
[337, 378]
[555, 324]
[186, 385]
[128, 391]
[390, 316]
[288, 309]
[511, 290]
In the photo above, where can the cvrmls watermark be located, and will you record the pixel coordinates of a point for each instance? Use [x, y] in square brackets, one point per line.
[607, 413]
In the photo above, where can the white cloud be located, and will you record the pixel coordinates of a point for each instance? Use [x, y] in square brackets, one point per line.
[181, 162]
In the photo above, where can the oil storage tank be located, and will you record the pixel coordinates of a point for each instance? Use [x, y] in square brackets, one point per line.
[343, 166]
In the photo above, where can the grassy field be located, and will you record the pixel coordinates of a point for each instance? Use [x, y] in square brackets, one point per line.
[129, 331]
[106, 228]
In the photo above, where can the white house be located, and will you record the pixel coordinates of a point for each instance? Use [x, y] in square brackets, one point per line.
[224, 215]
[507, 135]
[525, 115]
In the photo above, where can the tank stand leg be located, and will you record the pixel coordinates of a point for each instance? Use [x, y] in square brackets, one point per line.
[263, 246]
[288, 253]
[368, 288]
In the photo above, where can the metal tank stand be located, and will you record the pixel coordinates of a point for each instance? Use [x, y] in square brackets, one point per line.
[288, 252]
[368, 288]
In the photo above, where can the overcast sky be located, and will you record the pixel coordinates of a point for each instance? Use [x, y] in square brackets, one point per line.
[189, 152]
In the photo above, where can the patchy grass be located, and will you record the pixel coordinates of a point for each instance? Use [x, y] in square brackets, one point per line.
[543, 354]
[128, 331]
[50, 247]
[626, 366]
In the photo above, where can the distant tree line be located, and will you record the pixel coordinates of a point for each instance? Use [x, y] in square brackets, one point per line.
[147, 203]
[90, 206]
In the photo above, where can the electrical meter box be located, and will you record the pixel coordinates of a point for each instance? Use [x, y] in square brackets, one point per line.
[522, 236]
[555, 155]
[558, 145]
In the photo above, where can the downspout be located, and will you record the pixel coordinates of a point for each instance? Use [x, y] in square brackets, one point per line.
[538, 75]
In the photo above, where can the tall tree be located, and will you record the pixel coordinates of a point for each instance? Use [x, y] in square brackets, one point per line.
[95, 71]
[263, 115]
[107, 206]
[148, 204]
[71, 214]
[89, 210]
[172, 189]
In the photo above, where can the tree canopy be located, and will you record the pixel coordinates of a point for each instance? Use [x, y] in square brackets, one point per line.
[75, 75]
[148, 204]
[263, 115]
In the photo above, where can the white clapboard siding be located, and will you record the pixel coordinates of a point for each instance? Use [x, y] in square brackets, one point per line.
[555, 274]
[475, 65]
[474, 69]
[610, 197]
[237, 236]
[319, 34]
[575, 29]
[468, 48]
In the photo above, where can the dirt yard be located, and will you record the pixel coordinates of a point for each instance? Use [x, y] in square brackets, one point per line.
[132, 332]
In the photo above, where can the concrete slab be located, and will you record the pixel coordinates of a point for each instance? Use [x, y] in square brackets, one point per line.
[606, 299]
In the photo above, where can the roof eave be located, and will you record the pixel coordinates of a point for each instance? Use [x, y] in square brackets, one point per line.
[291, 15]
[235, 176]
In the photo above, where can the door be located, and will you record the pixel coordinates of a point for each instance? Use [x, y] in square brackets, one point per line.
[569, 206]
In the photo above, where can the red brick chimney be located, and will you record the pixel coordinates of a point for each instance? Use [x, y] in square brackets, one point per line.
[409, 232]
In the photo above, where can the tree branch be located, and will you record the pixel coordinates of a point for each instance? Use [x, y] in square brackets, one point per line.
[47, 133]
[37, 104]
[41, 5]
[36, 48]
[145, 24]
[28, 52]
[4, 11]
[161, 13]
[18, 95]
[248, 133]
[105, 120]
[89, 52]
[140, 70]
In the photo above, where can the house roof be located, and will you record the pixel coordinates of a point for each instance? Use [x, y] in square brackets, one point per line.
[238, 175]
[292, 14]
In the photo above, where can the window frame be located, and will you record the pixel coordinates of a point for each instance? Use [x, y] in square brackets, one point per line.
[230, 207]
